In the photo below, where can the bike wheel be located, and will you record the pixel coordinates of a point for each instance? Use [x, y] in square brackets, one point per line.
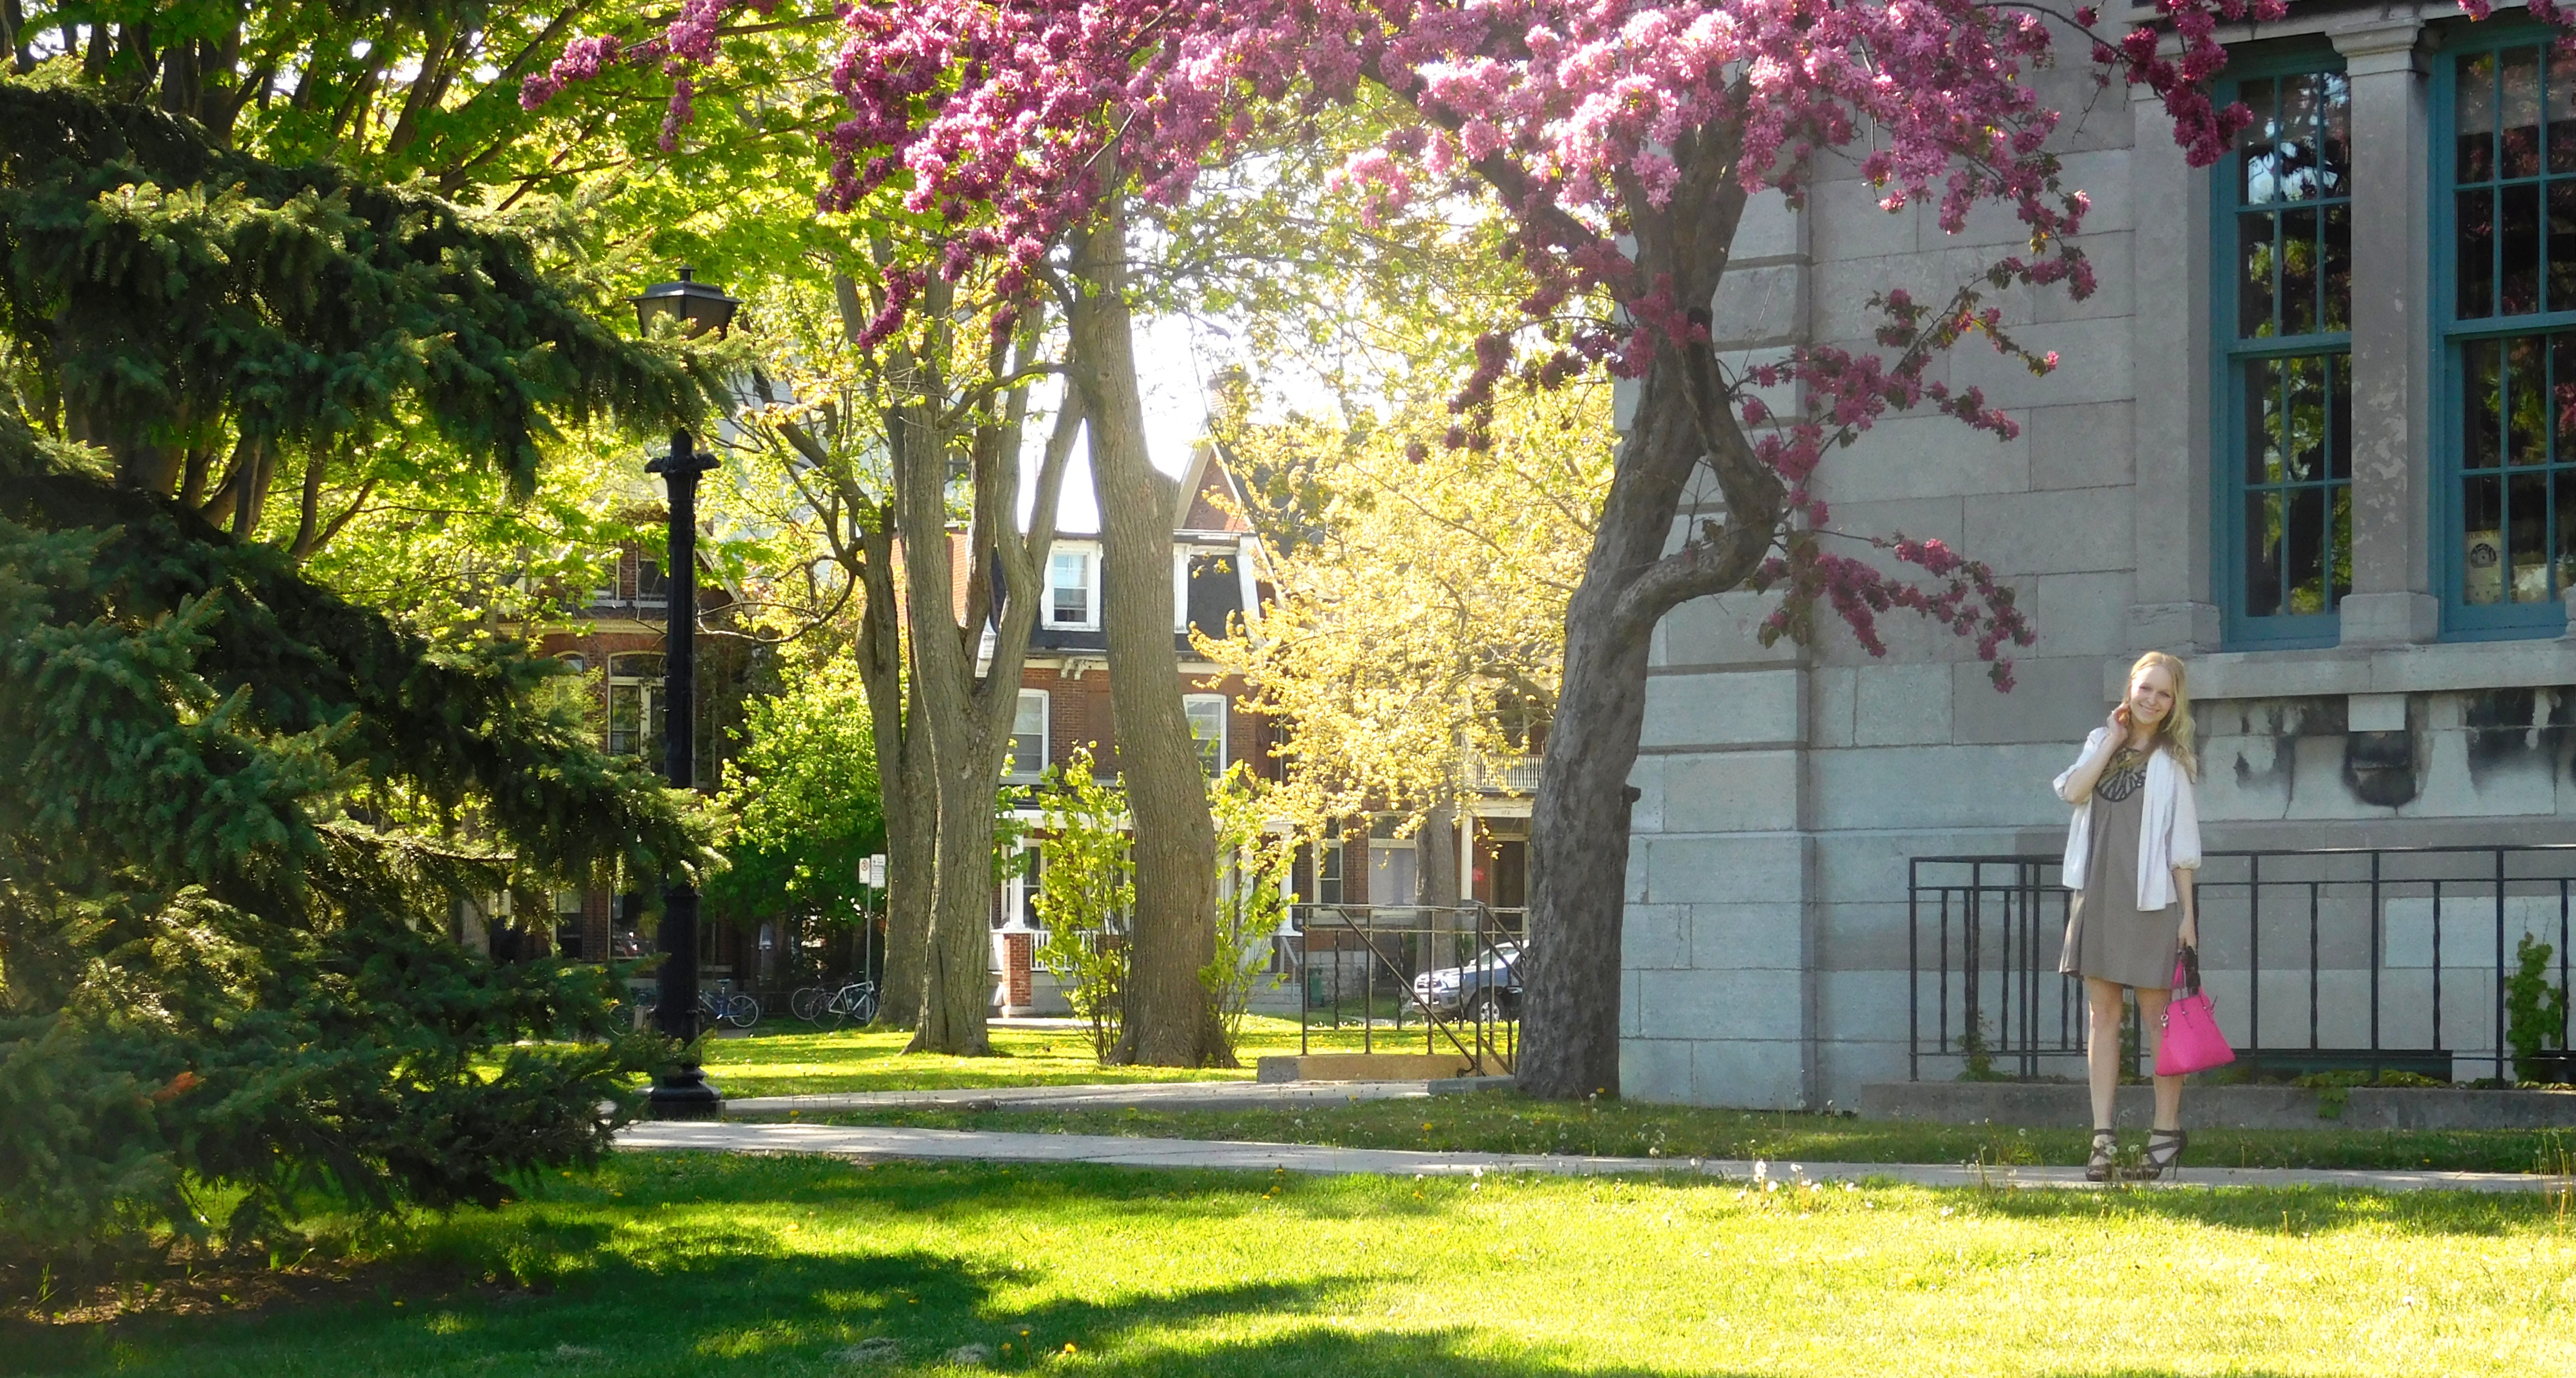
[863, 1006]
[745, 1011]
[807, 1002]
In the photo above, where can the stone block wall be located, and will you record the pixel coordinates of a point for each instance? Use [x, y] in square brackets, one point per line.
[1784, 790]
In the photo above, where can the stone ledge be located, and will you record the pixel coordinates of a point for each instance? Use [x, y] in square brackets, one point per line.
[2068, 1104]
[1431, 1067]
[2531, 663]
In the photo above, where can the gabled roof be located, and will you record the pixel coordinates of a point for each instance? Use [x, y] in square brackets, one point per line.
[1209, 497]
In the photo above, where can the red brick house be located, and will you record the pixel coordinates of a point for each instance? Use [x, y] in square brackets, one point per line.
[617, 643]
[1064, 682]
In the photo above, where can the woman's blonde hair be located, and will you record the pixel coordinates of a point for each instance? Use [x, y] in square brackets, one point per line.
[2176, 732]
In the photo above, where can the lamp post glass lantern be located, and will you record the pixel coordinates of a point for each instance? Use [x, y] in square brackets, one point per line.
[681, 1091]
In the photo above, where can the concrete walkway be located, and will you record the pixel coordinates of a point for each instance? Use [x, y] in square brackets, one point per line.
[877, 1142]
[1159, 1095]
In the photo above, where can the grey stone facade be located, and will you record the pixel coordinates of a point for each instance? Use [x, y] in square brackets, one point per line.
[1784, 789]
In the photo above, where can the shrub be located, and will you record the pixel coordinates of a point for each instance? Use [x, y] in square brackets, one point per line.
[1086, 889]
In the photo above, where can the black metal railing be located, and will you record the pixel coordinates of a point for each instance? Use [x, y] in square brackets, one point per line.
[2369, 959]
[1382, 968]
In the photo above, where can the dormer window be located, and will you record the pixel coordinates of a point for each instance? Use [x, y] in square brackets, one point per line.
[1073, 589]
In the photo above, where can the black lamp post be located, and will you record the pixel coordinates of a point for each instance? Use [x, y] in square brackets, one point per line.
[681, 1092]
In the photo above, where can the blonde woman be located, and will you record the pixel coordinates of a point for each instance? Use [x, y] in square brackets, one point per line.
[2131, 853]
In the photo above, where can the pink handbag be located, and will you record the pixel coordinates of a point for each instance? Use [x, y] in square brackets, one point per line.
[2191, 1042]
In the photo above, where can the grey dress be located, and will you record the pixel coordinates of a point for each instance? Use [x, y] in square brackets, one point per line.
[2106, 935]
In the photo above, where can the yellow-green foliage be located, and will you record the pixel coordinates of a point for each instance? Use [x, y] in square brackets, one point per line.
[1086, 890]
[1421, 592]
[1253, 868]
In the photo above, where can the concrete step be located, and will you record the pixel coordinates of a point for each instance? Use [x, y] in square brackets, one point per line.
[2061, 1104]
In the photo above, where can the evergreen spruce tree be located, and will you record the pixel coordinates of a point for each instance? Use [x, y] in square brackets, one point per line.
[237, 811]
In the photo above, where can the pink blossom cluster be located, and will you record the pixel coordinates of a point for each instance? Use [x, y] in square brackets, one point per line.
[1010, 122]
[1963, 596]
[2183, 84]
[582, 60]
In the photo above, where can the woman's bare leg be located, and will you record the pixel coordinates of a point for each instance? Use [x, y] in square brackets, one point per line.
[2151, 1016]
[2102, 1052]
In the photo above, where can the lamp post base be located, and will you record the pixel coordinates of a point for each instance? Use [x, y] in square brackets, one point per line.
[683, 1093]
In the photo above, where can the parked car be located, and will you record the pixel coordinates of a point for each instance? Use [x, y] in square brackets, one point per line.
[1486, 988]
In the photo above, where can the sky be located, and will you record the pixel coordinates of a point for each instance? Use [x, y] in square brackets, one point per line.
[1173, 364]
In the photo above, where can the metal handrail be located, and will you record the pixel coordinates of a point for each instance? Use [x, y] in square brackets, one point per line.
[1396, 943]
[1991, 954]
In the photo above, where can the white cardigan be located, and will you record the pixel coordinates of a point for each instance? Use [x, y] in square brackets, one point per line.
[2168, 832]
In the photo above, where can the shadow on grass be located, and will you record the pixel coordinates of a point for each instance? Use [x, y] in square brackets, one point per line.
[1447, 1352]
[705, 1266]
[2282, 1210]
[705, 1301]
[968, 1190]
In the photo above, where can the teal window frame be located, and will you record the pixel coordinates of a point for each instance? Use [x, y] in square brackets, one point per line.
[2230, 355]
[2454, 336]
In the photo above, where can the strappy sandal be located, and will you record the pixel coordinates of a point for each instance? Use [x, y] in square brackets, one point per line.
[2105, 1162]
[2164, 1151]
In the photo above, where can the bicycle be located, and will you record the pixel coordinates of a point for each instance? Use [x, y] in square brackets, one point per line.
[725, 1005]
[855, 1001]
[808, 1001]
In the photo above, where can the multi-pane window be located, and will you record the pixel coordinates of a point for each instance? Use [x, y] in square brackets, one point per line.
[1207, 726]
[2510, 335]
[2286, 318]
[1029, 735]
[635, 704]
[1070, 588]
[652, 586]
[1328, 873]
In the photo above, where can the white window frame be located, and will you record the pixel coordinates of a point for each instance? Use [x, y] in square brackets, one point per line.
[1090, 559]
[1020, 890]
[647, 691]
[1045, 733]
[1190, 706]
[1328, 871]
[1181, 588]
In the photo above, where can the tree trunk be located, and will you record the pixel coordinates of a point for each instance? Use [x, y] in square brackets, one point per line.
[956, 978]
[1436, 851]
[1579, 822]
[1171, 1019]
[905, 786]
[941, 729]
[965, 717]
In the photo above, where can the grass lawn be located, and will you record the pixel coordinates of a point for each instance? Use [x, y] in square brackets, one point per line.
[783, 1057]
[1505, 1122]
[713, 1267]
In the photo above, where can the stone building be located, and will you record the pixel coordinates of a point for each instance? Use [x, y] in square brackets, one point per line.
[2313, 434]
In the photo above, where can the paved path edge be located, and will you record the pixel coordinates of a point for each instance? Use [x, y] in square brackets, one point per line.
[881, 1142]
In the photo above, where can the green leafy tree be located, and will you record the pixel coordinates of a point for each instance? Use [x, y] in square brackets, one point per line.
[802, 796]
[1086, 893]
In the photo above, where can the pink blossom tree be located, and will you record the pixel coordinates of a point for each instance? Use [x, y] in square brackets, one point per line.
[1621, 139]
